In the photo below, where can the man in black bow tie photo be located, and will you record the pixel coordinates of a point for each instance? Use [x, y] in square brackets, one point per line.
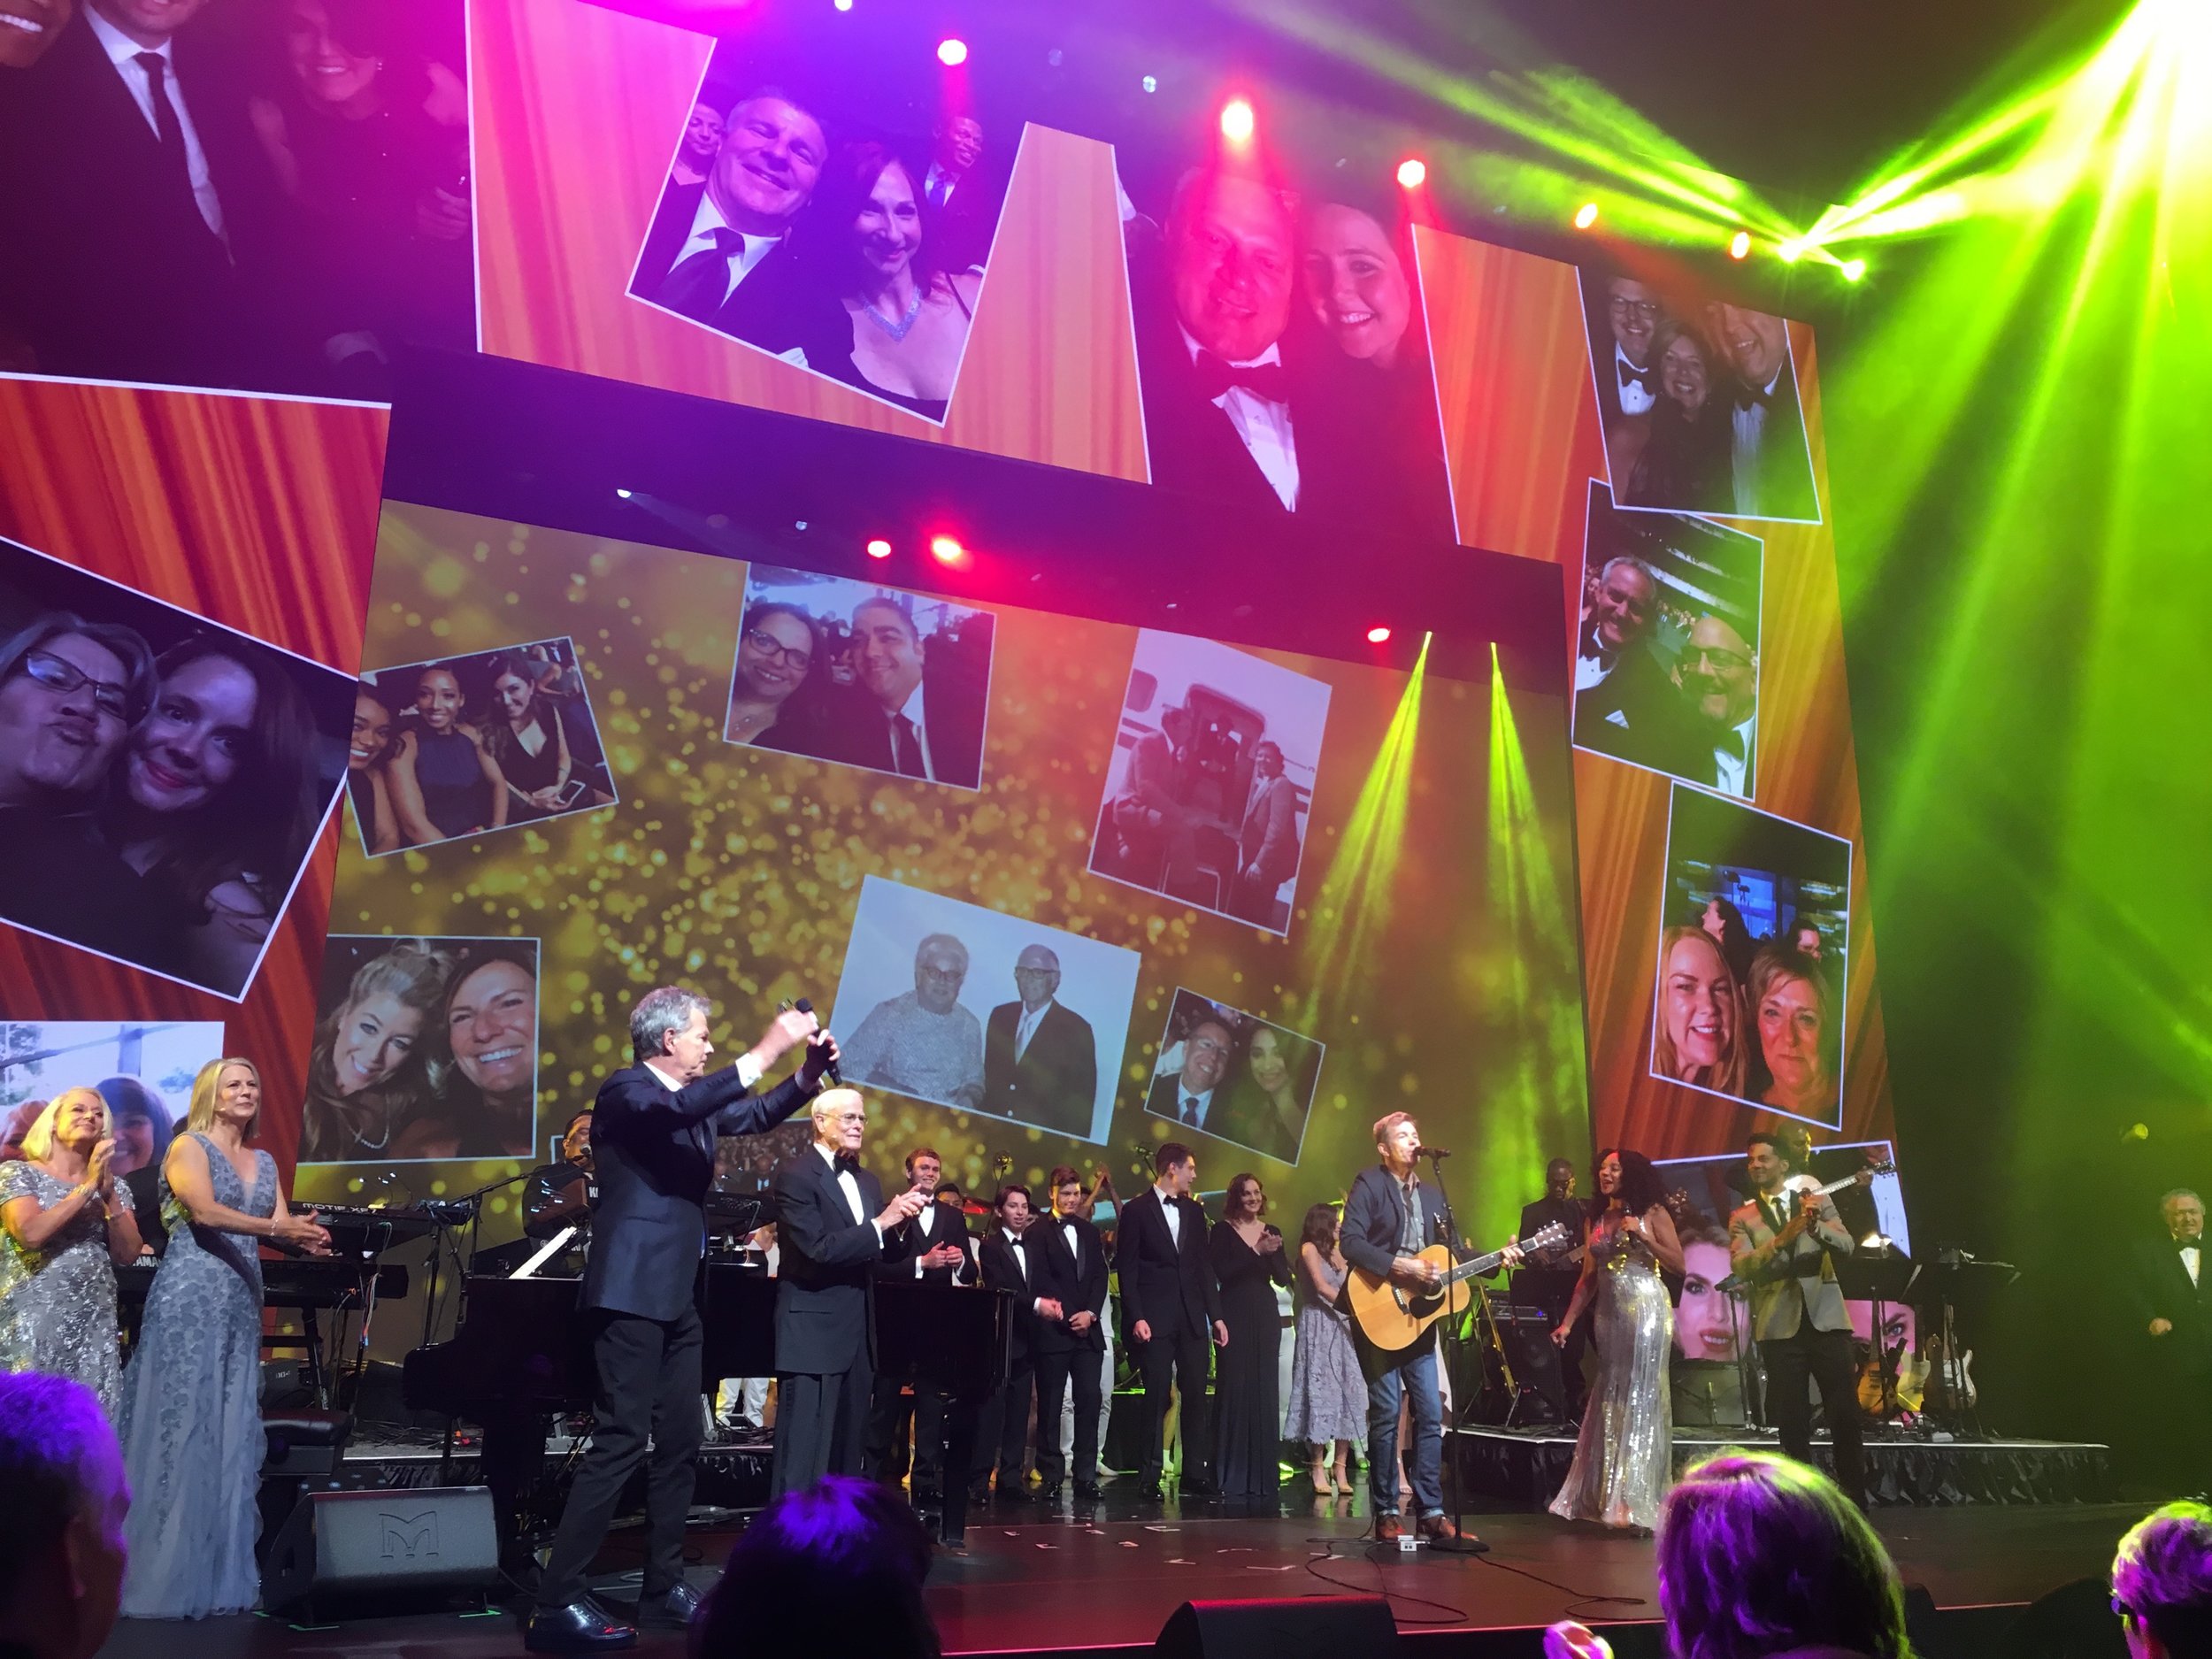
[1627, 704]
[1629, 385]
[2171, 1292]
[654, 1126]
[1720, 691]
[835, 1231]
[1773, 468]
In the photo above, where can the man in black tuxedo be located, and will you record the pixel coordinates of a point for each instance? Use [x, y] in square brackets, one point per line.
[136, 232]
[1039, 1060]
[2172, 1295]
[1627, 704]
[1071, 1271]
[909, 716]
[941, 1256]
[654, 1125]
[963, 196]
[1225, 409]
[1628, 379]
[1172, 1305]
[1012, 1261]
[720, 251]
[834, 1231]
[1773, 468]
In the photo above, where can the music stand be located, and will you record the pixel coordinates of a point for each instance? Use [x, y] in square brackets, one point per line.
[1880, 1276]
[1959, 1276]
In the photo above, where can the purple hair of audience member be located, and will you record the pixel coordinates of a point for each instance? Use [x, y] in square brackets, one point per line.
[1759, 1555]
[63, 1496]
[2162, 1576]
[836, 1567]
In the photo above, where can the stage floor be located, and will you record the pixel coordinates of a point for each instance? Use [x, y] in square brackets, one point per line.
[1053, 1581]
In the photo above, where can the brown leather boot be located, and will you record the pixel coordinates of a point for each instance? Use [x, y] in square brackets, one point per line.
[1388, 1529]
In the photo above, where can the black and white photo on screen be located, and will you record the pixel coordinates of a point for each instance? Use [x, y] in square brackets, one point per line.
[1754, 957]
[162, 778]
[1210, 783]
[861, 675]
[974, 1009]
[425, 1049]
[464, 745]
[1236, 1077]
[1667, 645]
[841, 223]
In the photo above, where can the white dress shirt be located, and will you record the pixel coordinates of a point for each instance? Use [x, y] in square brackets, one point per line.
[708, 220]
[123, 53]
[936, 179]
[1025, 1027]
[848, 1184]
[749, 1071]
[1067, 1230]
[2193, 1258]
[1205, 1104]
[1592, 670]
[1634, 399]
[1732, 772]
[1174, 1216]
[1261, 424]
[913, 710]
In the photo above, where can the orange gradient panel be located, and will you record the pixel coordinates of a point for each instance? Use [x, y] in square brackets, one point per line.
[577, 110]
[257, 513]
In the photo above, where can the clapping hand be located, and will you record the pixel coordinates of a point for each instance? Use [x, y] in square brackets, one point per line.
[99, 1169]
[942, 1256]
[1270, 1239]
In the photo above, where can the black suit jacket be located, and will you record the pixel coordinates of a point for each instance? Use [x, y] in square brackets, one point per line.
[826, 1304]
[1226, 1117]
[2160, 1289]
[1076, 1282]
[1375, 1219]
[1785, 467]
[1055, 1082]
[653, 1154]
[106, 266]
[945, 1227]
[1638, 713]
[952, 712]
[1000, 1272]
[1169, 1283]
[965, 226]
[782, 303]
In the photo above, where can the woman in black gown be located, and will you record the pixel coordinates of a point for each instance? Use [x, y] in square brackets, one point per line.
[1248, 1261]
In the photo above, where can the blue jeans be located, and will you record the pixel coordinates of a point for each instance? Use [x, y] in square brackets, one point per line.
[1415, 1372]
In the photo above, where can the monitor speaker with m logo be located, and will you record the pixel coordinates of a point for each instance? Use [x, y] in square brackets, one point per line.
[433, 1539]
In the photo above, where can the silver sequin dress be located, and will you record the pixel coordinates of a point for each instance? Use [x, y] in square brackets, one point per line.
[58, 1304]
[1624, 1460]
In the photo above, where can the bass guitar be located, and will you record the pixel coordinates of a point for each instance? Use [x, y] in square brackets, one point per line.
[1393, 1316]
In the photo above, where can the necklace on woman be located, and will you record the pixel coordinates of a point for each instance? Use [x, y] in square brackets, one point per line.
[897, 330]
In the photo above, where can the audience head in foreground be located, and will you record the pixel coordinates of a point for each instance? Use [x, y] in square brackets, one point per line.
[62, 1501]
[832, 1568]
[2162, 1584]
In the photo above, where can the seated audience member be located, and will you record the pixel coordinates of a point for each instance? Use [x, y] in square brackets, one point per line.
[778, 646]
[833, 1568]
[444, 782]
[964, 195]
[368, 785]
[1762, 1557]
[1788, 1004]
[724, 252]
[1267, 844]
[701, 143]
[62, 1497]
[1700, 1039]
[1769, 466]
[2162, 1584]
[135, 102]
[1627, 704]
[369, 141]
[904, 315]
[1684, 463]
[1039, 1057]
[922, 1042]
[1720, 691]
[909, 713]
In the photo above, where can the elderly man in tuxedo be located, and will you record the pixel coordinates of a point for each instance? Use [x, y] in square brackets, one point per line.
[1267, 844]
[654, 1125]
[1171, 1303]
[834, 1230]
[2172, 1298]
[720, 251]
[1039, 1059]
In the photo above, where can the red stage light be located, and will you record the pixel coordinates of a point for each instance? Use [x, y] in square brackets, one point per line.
[1413, 173]
[879, 548]
[952, 53]
[1740, 244]
[1585, 216]
[1378, 636]
[947, 549]
[1237, 121]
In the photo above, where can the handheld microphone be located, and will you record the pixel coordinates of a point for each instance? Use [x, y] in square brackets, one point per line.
[831, 1072]
[1435, 1155]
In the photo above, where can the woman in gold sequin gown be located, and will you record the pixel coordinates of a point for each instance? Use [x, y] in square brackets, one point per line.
[1623, 1462]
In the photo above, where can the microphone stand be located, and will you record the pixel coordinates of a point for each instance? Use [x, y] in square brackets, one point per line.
[1458, 1543]
[447, 1214]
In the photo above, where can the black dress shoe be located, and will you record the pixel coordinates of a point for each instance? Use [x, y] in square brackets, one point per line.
[1201, 1489]
[1150, 1492]
[672, 1610]
[1088, 1491]
[1049, 1493]
[582, 1626]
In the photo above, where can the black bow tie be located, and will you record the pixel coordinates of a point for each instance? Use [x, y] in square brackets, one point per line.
[1748, 396]
[846, 1164]
[1633, 375]
[1729, 744]
[1262, 380]
[1016, 1240]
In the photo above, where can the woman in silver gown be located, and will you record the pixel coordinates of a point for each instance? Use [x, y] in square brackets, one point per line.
[192, 1438]
[1624, 1462]
[65, 1221]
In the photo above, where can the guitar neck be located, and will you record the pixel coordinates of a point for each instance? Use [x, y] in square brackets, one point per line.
[1477, 1265]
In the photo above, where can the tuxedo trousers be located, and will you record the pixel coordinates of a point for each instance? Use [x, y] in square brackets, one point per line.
[1054, 1372]
[821, 1423]
[1175, 1363]
[1824, 1357]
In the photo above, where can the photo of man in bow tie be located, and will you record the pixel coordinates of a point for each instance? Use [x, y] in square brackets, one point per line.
[1773, 469]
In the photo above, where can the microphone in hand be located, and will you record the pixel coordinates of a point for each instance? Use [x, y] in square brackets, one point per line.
[830, 1071]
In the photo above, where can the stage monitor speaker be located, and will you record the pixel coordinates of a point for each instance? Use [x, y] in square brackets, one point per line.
[393, 1540]
[1296, 1627]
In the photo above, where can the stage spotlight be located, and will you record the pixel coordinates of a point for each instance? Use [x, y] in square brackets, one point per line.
[1740, 244]
[1150, 84]
[947, 549]
[1853, 269]
[622, 494]
[879, 548]
[1790, 251]
[1237, 122]
[1413, 173]
[952, 53]
[1378, 635]
[842, 6]
[1585, 216]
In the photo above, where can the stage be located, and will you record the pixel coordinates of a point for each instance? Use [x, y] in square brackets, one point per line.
[1103, 1582]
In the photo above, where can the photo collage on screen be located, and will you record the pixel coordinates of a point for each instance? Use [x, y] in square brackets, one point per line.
[1233, 1076]
[326, 220]
[143, 1071]
[425, 1049]
[1699, 400]
[1753, 953]
[1667, 651]
[463, 746]
[166, 777]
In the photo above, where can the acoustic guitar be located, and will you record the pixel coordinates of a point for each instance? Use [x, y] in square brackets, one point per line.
[1393, 1316]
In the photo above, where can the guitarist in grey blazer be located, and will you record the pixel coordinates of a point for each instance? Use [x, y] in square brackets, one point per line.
[1782, 1245]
